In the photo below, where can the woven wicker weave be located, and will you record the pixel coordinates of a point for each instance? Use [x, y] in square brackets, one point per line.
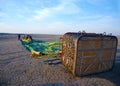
[87, 53]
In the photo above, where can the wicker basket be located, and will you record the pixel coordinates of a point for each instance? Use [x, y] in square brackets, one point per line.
[88, 53]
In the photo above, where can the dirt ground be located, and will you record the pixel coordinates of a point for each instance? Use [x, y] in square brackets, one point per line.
[17, 68]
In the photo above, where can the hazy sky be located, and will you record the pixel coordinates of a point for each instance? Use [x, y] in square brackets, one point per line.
[59, 16]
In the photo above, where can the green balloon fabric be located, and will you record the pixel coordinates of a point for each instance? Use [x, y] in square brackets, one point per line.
[43, 46]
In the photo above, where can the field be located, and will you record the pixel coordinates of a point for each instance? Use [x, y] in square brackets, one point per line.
[17, 68]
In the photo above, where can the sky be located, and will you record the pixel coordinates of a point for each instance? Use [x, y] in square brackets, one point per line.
[59, 16]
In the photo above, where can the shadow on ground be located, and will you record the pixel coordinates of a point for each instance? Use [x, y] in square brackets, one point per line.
[55, 61]
[51, 84]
